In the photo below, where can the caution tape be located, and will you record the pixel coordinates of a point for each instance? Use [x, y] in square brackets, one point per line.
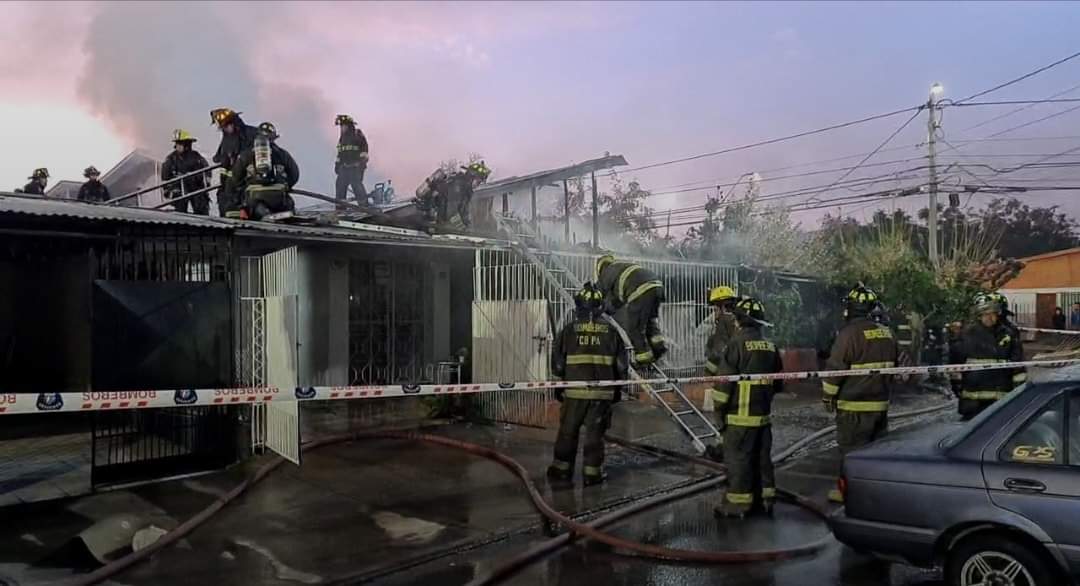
[21, 403]
[1049, 331]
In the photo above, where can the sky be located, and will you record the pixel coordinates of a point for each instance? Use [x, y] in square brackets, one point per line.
[532, 86]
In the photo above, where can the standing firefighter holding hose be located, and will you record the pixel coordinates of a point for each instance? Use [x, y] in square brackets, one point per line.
[743, 410]
[587, 349]
[236, 138]
[861, 403]
[628, 285]
[723, 300]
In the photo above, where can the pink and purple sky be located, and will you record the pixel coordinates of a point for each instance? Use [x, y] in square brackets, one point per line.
[531, 85]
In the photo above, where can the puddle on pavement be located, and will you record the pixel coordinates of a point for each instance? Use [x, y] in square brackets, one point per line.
[281, 570]
[407, 529]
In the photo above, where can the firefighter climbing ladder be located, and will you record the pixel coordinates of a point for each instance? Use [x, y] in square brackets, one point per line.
[669, 395]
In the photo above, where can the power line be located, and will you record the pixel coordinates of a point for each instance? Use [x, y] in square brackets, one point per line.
[1015, 102]
[1036, 121]
[1020, 109]
[776, 140]
[1019, 79]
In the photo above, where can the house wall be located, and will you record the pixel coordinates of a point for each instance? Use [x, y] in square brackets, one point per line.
[1056, 272]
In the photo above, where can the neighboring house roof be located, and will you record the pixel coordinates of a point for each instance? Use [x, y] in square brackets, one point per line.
[1053, 254]
[551, 176]
[20, 204]
[64, 189]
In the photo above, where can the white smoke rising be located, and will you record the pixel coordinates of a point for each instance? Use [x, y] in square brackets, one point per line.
[153, 67]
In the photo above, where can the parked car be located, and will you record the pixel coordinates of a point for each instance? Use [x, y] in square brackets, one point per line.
[994, 501]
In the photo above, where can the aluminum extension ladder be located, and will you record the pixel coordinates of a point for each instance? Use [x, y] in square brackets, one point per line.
[669, 395]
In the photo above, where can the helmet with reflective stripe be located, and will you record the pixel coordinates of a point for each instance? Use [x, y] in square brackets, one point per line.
[748, 309]
[344, 120]
[91, 171]
[223, 116]
[721, 294]
[1002, 301]
[589, 299]
[860, 301]
[987, 303]
[41, 173]
[478, 169]
[269, 130]
[181, 135]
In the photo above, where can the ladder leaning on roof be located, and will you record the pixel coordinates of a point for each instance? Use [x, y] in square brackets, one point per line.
[669, 395]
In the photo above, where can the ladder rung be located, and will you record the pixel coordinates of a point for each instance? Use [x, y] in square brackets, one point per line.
[705, 436]
[681, 413]
[664, 390]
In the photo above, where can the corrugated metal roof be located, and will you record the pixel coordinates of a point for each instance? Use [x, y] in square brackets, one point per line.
[45, 207]
[552, 175]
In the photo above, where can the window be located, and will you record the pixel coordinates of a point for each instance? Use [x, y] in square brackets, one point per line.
[1074, 429]
[1039, 441]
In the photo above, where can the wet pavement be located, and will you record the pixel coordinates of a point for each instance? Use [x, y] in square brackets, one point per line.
[396, 512]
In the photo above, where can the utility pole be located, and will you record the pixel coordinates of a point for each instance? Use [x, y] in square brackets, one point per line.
[932, 126]
[595, 215]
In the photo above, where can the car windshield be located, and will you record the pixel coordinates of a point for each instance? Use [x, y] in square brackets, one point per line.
[957, 436]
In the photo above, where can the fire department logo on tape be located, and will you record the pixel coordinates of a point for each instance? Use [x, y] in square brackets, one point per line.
[308, 393]
[507, 385]
[186, 397]
[50, 402]
[411, 388]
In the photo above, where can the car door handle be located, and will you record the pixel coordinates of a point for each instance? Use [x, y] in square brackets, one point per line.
[1024, 485]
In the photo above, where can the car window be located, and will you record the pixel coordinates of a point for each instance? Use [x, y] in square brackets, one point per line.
[957, 436]
[1039, 440]
[1074, 429]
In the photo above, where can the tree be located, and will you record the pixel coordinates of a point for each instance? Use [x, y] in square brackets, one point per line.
[1027, 231]
[624, 210]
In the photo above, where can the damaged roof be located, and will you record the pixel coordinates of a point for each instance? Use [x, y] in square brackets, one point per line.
[541, 178]
[15, 204]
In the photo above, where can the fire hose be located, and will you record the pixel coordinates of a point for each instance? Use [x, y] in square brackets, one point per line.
[588, 530]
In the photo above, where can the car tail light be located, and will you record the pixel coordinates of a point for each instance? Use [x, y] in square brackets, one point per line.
[841, 485]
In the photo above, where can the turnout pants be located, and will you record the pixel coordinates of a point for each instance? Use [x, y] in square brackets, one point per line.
[855, 429]
[595, 415]
[200, 204]
[973, 403]
[351, 176]
[642, 325]
[748, 456]
[227, 200]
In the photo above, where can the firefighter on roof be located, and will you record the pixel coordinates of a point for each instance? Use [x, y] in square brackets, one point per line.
[352, 160]
[625, 284]
[987, 341]
[236, 137]
[264, 174]
[587, 349]
[184, 159]
[861, 403]
[38, 180]
[743, 409]
[93, 190]
[448, 196]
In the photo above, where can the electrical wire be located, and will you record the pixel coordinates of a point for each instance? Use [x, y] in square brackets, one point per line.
[1019, 79]
[1036, 121]
[1020, 109]
[776, 140]
[1014, 102]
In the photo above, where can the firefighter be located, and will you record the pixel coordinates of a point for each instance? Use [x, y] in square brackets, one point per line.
[628, 285]
[236, 137]
[93, 190]
[184, 160]
[587, 349]
[352, 159]
[264, 174]
[38, 180]
[861, 403]
[1005, 314]
[987, 341]
[723, 300]
[743, 410]
[905, 335]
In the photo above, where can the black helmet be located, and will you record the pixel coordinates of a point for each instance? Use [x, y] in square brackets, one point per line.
[269, 130]
[223, 116]
[749, 311]
[860, 301]
[91, 171]
[344, 120]
[589, 299]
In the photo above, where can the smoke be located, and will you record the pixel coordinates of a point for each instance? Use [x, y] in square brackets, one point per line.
[153, 67]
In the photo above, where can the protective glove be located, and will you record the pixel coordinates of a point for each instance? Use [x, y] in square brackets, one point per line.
[559, 395]
[829, 403]
[337, 166]
[957, 387]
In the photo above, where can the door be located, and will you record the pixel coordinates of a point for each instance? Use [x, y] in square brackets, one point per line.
[512, 343]
[1045, 303]
[1036, 472]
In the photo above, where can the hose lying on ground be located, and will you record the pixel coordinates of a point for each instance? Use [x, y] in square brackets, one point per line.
[576, 529]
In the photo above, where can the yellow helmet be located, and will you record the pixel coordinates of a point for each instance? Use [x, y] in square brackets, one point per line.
[222, 116]
[181, 135]
[602, 262]
[721, 294]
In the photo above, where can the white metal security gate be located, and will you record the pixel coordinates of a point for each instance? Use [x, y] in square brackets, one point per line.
[512, 342]
[269, 309]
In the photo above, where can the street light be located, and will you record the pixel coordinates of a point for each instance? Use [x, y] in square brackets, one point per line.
[936, 90]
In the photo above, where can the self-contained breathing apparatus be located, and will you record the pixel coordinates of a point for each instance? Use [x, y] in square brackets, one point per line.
[268, 182]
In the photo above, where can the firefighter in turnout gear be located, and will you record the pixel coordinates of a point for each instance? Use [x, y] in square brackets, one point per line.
[627, 285]
[93, 190]
[38, 180]
[861, 403]
[265, 174]
[184, 159]
[587, 349]
[236, 138]
[905, 335]
[352, 160]
[722, 299]
[743, 410]
[988, 341]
